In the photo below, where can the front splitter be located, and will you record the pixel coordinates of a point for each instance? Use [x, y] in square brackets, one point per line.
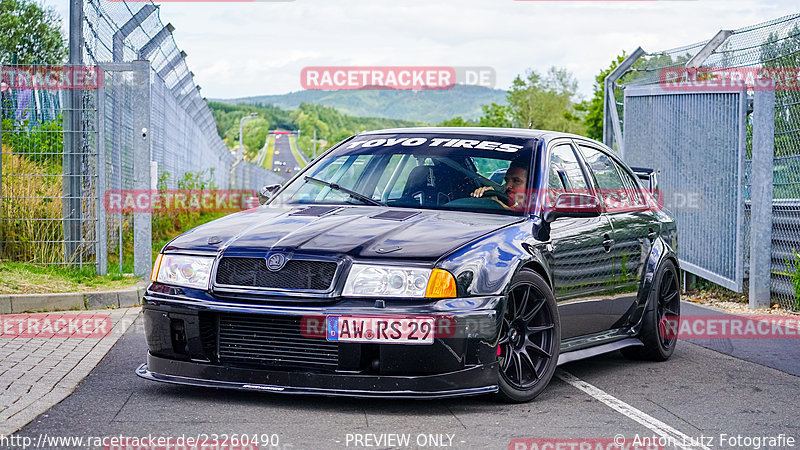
[467, 382]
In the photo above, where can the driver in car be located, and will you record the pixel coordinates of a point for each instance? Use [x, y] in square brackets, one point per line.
[515, 181]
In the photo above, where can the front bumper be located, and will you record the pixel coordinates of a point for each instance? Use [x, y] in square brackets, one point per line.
[189, 337]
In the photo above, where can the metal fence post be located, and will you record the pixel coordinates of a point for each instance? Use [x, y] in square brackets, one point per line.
[611, 128]
[101, 233]
[761, 198]
[118, 55]
[2, 200]
[142, 225]
[71, 203]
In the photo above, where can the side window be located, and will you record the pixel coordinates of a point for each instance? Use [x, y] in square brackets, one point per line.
[637, 196]
[565, 172]
[612, 189]
[395, 169]
[396, 190]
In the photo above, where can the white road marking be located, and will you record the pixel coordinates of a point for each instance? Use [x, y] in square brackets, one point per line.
[660, 428]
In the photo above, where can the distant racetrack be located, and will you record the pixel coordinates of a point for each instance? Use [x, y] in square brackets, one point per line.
[283, 157]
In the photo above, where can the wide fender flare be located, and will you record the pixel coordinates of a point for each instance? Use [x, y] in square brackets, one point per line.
[660, 252]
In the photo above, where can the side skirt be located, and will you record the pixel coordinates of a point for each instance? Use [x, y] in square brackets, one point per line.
[575, 355]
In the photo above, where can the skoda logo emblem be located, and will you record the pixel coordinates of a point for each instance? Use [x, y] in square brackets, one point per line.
[276, 262]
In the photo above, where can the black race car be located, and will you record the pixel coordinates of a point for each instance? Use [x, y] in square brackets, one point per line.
[393, 266]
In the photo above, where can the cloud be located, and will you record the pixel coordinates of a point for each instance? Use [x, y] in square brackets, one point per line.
[242, 49]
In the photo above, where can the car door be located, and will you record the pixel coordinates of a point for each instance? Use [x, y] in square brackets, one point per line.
[631, 220]
[581, 265]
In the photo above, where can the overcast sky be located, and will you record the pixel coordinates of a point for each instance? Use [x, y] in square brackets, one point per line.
[244, 49]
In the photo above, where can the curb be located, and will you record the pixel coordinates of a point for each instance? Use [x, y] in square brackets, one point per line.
[123, 298]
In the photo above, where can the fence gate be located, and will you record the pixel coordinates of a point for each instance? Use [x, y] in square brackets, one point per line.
[124, 154]
[697, 141]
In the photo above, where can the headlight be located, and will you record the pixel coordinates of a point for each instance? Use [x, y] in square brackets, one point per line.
[183, 270]
[367, 280]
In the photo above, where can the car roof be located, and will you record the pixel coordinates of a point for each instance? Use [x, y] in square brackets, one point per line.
[504, 132]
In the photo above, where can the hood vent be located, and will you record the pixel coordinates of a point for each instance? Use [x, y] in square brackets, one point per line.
[316, 211]
[397, 216]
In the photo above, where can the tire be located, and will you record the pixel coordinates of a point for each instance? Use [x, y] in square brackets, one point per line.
[528, 360]
[663, 303]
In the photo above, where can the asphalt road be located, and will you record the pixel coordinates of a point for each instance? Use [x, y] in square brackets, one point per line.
[699, 392]
[283, 154]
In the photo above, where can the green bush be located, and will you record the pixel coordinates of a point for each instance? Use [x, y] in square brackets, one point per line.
[793, 270]
[41, 144]
[168, 225]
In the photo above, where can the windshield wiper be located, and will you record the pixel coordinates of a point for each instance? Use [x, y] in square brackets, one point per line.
[353, 194]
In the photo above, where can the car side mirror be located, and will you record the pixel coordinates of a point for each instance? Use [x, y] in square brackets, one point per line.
[267, 192]
[569, 204]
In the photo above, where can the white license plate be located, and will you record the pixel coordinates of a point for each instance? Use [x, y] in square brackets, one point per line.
[380, 330]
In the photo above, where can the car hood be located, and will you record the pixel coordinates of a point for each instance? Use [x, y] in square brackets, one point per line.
[360, 232]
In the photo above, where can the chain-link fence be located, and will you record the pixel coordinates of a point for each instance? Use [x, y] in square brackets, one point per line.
[183, 130]
[65, 148]
[773, 46]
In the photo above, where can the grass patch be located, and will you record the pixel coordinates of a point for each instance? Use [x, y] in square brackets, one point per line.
[300, 159]
[24, 278]
[270, 153]
[28, 197]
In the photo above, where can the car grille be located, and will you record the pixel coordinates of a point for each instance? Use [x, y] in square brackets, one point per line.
[265, 340]
[296, 274]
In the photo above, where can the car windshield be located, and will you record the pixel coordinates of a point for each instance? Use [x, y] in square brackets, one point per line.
[430, 171]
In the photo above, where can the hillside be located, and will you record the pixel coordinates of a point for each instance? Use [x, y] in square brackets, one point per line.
[329, 124]
[432, 106]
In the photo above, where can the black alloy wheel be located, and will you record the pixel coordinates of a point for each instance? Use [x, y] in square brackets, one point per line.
[529, 338]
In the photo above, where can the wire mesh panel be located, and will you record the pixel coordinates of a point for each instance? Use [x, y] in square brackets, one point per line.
[48, 195]
[772, 46]
[785, 280]
[253, 177]
[696, 141]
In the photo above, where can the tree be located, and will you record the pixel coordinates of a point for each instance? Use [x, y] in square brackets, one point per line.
[594, 108]
[308, 122]
[546, 102]
[495, 115]
[456, 122]
[31, 33]
[647, 71]
[254, 135]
